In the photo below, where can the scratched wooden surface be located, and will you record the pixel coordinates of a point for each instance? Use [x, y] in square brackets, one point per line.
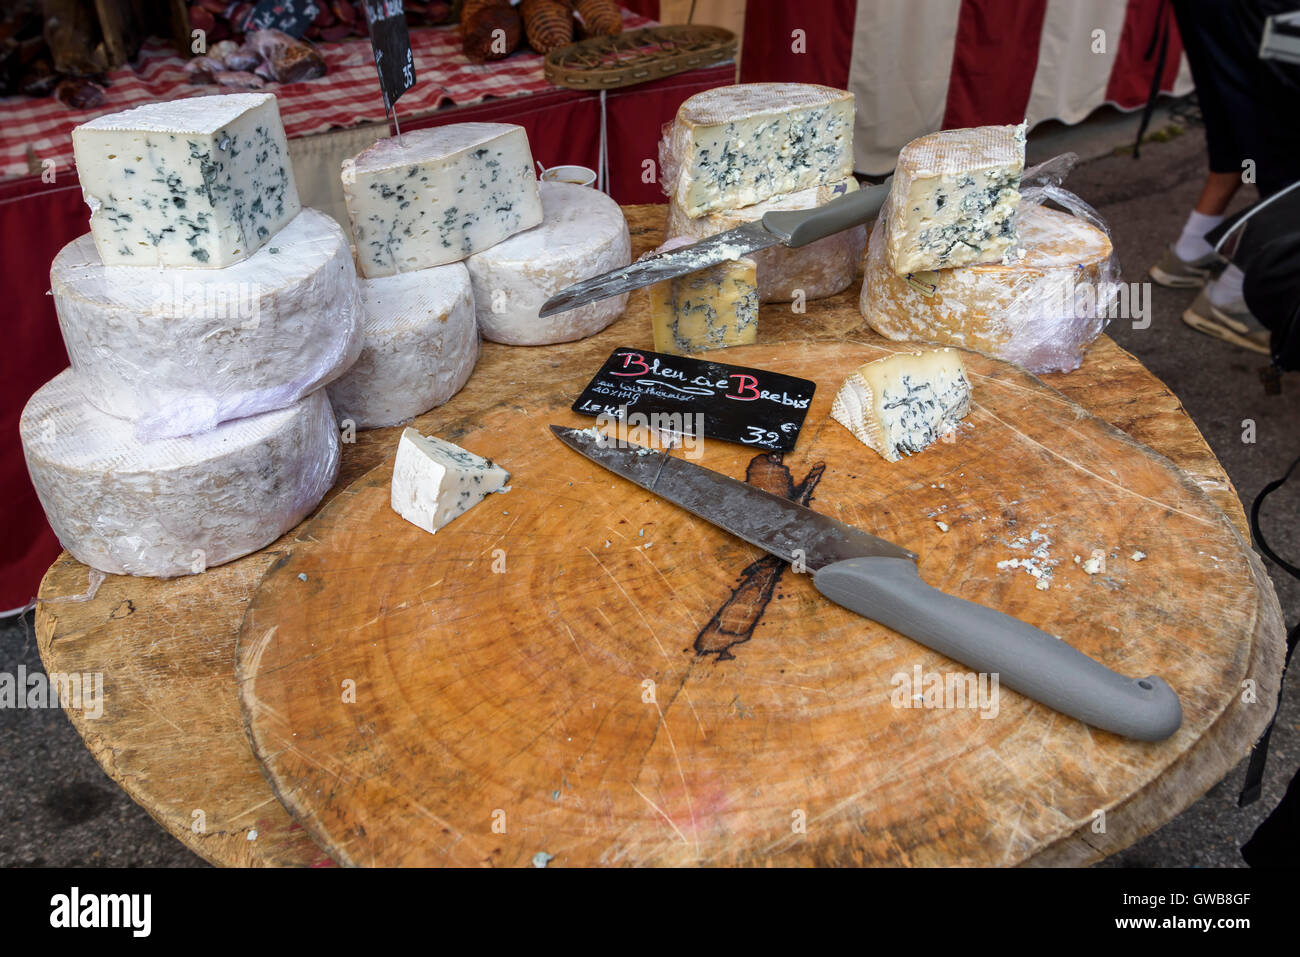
[580, 669]
[171, 734]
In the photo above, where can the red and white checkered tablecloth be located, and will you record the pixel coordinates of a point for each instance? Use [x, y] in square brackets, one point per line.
[35, 130]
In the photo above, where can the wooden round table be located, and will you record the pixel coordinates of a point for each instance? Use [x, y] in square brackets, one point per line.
[172, 733]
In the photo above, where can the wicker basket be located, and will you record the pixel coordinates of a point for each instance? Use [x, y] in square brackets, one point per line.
[637, 56]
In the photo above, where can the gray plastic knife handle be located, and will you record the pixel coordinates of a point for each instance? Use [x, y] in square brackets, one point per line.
[1038, 665]
[799, 227]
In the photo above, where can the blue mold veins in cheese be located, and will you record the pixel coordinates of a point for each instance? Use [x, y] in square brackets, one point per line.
[439, 195]
[736, 146]
[202, 182]
[954, 197]
[903, 403]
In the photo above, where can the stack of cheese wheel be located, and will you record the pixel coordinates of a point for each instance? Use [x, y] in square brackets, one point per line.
[1035, 311]
[457, 211]
[735, 153]
[957, 258]
[203, 315]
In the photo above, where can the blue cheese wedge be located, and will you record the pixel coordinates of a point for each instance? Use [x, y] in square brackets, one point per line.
[435, 481]
[711, 308]
[954, 198]
[901, 404]
[736, 146]
[203, 182]
[439, 195]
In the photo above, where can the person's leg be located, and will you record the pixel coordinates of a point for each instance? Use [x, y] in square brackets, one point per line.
[1216, 194]
[1216, 49]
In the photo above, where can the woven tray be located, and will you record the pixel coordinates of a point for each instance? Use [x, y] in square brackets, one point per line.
[605, 63]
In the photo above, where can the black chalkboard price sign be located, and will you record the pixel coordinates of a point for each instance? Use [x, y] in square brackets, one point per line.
[392, 46]
[688, 396]
[288, 16]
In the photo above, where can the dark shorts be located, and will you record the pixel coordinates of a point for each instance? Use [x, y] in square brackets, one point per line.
[1251, 106]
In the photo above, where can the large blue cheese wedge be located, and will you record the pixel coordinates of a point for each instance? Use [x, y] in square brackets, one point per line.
[435, 481]
[439, 195]
[902, 403]
[735, 146]
[174, 506]
[201, 182]
[954, 198]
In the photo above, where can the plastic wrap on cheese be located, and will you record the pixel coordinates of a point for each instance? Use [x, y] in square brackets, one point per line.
[173, 506]
[177, 351]
[820, 269]
[1040, 311]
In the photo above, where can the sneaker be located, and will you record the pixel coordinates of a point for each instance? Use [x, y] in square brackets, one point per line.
[1179, 274]
[1234, 324]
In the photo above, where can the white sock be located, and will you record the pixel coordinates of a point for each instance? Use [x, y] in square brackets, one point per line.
[1191, 245]
[1225, 291]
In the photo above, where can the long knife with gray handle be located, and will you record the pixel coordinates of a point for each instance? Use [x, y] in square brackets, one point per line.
[878, 580]
[793, 228]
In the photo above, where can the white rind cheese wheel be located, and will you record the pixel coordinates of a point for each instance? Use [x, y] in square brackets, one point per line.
[954, 198]
[1039, 312]
[582, 235]
[176, 506]
[420, 346]
[439, 195]
[200, 182]
[178, 351]
[735, 146]
[819, 269]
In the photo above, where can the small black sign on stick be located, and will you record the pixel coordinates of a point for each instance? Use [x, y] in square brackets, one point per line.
[289, 16]
[392, 45]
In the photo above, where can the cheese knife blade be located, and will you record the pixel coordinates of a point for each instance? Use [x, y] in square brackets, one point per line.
[789, 227]
[879, 580]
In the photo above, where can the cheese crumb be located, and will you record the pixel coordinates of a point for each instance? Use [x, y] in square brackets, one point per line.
[1092, 566]
[1138, 556]
[942, 526]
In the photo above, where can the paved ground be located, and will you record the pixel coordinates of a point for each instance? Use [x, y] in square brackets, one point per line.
[58, 808]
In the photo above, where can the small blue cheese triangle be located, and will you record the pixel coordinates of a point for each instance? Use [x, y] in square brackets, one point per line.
[903, 403]
[435, 481]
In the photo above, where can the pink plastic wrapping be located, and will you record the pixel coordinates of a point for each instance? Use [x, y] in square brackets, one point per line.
[177, 351]
[174, 506]
[1040, 310]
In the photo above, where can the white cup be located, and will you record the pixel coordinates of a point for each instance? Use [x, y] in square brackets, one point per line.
[577, 175]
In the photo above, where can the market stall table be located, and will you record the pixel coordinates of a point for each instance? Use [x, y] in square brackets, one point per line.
[326, 120]
[173, 734]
